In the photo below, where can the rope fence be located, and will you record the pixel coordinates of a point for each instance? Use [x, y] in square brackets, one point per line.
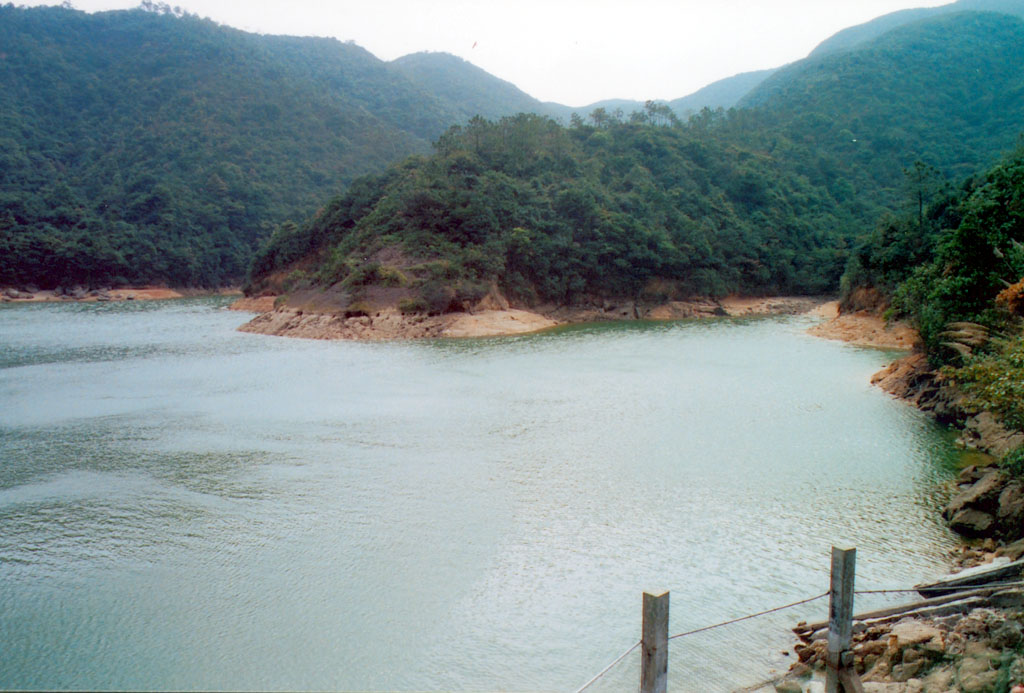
[608, 668]
[747, 618]
[653, 644]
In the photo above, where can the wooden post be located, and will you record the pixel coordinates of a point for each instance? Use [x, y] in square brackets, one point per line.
[654, 644]
[840, 621]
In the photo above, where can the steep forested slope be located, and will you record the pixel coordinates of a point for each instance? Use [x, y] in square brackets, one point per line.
[753, 200]
[144, 146]
[725, 93]
[948, 91]
[466, 88]
[140, 146]
[554, 214]
[868, 31]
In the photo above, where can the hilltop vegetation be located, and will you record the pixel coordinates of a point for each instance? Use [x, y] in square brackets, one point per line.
[554, 214]
[149, 147]
[756, 200]
[947, 91]
[146, 146]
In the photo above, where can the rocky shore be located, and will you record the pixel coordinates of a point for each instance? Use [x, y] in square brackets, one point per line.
[972, 641]
[912, 380]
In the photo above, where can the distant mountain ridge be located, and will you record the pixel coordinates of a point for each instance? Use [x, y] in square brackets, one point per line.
[140, 146]
[725, 93]
[467, 89]
[855, 35]
[768, 198]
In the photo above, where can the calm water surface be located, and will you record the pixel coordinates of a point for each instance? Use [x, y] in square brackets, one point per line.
[184, 506]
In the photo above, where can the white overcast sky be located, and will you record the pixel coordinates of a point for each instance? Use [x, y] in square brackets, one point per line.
[574, 52]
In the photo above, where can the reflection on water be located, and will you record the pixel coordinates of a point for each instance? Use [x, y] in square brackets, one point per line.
[186, 506]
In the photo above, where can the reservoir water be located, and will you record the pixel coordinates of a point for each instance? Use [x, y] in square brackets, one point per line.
[183, 506]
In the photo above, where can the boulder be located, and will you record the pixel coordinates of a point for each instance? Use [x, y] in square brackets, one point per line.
[984, 432]
[908, 633]
[982, 495]
[971, 474]
[1012, 551]
[1010, 511]
[972, 523]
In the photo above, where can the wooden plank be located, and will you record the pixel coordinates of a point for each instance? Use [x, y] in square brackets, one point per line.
[851, 682]
[978, 576]
[811, 628]
[654, 644]
[840, 614]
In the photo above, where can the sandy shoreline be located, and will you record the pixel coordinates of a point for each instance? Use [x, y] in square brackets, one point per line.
[490, 319]
[142, 293]
[863, 328]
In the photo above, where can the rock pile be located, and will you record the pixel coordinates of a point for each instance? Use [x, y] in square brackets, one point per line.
[973, 653]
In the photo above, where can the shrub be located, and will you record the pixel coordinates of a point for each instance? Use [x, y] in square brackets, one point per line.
[391, 276]
[357, 309]
[470, 291]
[995, 382]
[411, 305]
[1013, 462]
[438, 297]
[296, 279]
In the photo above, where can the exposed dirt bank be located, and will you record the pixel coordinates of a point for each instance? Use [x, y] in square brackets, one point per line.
[78, 294]
[390, 324]
[864, 328]
[312, 316]
[254, 304]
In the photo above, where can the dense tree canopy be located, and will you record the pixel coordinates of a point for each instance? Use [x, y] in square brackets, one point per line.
[152, 146]
[552, 214]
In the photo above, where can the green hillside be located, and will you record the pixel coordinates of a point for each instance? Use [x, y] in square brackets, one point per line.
[467, 89]
[552, 214]
[142, 146]
[854, 36]
[138, 146]
[762, 199]
[725, 93]
[948, 91]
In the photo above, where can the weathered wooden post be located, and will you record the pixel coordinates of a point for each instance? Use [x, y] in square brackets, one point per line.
[840, 674]
[654, 644]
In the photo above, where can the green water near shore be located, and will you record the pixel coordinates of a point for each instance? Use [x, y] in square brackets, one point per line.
[185, 506]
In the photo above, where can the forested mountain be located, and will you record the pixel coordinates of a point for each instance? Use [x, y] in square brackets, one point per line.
[754, 200]
[147, 146]
[729, 92]
[142, 146]
[138, 146]
[551, 214]
[856, 35]
[725, 93]
[467, 89]
[948, 91]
